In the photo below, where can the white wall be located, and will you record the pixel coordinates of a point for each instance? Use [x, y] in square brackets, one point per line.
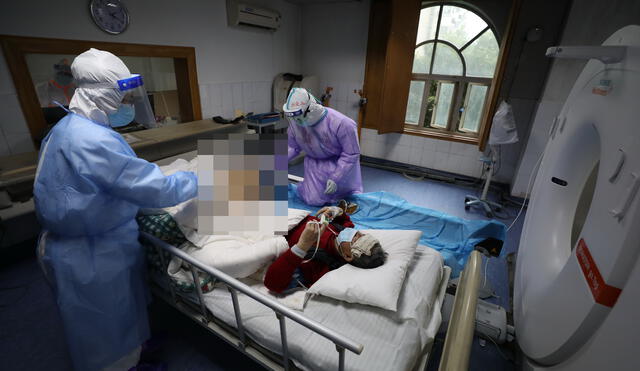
[235, 66]
[590, 22]
[436, 154]
[335, 49]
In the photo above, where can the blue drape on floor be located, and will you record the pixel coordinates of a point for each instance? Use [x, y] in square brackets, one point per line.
[453, 237]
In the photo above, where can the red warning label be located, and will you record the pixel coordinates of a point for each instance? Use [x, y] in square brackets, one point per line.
[602, 293]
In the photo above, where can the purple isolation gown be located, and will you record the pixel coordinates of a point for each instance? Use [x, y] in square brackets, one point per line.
[332, 152]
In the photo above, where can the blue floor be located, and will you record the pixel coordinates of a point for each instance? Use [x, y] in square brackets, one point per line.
[31, 335]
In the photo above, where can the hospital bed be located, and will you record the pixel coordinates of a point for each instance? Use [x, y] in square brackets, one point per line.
[328, 334]
[281, 338]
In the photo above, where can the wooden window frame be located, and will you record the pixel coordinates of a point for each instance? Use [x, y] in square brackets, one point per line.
[393, 25]
[462, 84]
[15, 49]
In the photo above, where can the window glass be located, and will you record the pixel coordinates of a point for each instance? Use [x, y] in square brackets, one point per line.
[53, 82]
[447, 61]
[416, 91]
[458, 25]
[474, 103]
[422, 58]
[481, 56]
[443, 104]
[454, 61]
[430, 103]
[427, 24]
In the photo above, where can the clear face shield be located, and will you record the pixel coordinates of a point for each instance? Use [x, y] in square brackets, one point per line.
[136, 95]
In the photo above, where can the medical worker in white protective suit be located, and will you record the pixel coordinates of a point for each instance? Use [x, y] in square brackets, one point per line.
[89, 186]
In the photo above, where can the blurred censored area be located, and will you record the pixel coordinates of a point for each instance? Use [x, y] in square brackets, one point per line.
[242, 184]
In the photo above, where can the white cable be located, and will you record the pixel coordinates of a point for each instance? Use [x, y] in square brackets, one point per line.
[498, 348]
[317, 223]
[529, 186]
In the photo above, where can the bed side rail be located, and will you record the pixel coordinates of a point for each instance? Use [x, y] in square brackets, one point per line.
[282, 312]
[295, 179]
[457, 344]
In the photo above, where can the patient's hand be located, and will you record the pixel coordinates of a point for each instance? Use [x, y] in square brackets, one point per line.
[329, 212]
[309, 236]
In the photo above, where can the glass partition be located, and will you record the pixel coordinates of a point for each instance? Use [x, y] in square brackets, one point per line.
[53, 82]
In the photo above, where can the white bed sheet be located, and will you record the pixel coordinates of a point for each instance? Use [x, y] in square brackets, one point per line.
[392, 341]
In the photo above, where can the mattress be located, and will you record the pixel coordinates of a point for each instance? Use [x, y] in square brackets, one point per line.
[392, 340]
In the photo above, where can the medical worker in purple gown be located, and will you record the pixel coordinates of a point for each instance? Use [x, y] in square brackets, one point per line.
[330, 141]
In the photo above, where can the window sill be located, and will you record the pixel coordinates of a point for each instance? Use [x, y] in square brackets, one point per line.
[441, 135]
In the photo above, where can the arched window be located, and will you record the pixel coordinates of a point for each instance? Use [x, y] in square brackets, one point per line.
[453, 65]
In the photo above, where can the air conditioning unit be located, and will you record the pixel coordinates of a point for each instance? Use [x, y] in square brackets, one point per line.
[242, 14]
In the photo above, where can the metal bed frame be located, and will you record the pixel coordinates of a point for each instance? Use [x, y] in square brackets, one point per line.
[192, 305]
[234, 286]
[456, 352]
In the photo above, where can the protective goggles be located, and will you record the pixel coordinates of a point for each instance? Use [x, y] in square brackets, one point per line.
[298, 117]
[293, 114]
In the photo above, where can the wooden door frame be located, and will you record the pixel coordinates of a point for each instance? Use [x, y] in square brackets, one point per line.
[15, 49]
[498, 76]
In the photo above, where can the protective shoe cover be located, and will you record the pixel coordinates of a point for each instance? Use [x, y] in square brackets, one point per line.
[95, 68]
[89, 186]
[332, 153]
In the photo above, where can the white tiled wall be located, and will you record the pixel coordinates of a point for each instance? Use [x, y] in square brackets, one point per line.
[343, 97]
[458, 158]
[222, 99]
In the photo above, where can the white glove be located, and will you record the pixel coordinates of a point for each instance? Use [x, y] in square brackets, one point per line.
[332, 187]
[330, 212]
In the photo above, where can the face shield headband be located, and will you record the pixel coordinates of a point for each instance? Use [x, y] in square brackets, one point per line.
[123, 85]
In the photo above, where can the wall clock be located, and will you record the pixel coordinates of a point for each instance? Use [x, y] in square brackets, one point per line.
[110, 15]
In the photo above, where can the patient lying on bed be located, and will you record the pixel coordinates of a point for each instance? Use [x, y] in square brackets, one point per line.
[303, 264]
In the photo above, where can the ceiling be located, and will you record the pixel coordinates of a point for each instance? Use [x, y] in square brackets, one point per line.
[303, 2]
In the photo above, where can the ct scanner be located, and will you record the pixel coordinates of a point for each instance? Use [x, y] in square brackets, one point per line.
[577, 285]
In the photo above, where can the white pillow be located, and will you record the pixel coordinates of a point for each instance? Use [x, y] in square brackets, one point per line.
[380, 286]
[295, 216]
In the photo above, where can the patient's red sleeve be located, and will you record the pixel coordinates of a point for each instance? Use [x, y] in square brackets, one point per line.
[280, 272]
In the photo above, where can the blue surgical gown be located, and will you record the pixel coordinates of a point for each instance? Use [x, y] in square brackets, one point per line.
[89, 186]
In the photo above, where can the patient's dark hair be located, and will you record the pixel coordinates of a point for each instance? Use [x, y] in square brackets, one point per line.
[376, 259]
[333, 262]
